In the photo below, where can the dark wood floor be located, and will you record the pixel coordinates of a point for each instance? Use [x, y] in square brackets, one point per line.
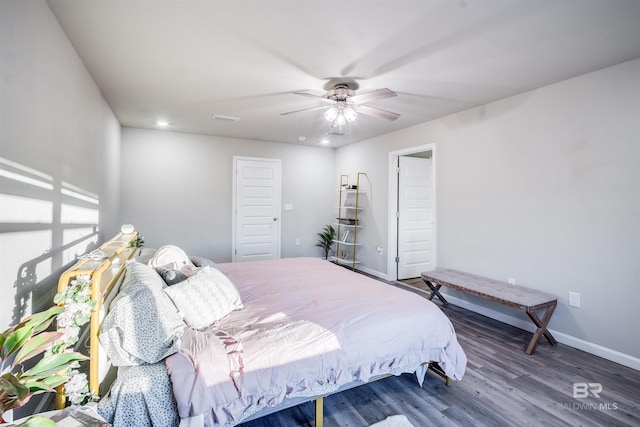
[502, 386]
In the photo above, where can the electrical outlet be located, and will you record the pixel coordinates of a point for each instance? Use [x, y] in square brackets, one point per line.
[512, 281]
[297, 242]
[574, 299]
[379, 250]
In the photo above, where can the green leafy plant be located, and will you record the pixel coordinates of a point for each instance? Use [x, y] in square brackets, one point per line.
[137, 242]
[36, 421]
[326, 239]
[21, 343]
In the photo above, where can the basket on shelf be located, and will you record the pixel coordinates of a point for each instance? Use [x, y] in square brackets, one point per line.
[347, 221]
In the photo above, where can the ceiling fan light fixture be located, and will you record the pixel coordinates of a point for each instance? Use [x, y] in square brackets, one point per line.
[350, 114]
[331, 114]
[346, 105]
[340, 115]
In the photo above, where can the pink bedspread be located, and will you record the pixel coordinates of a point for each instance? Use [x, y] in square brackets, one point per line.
[308, 327]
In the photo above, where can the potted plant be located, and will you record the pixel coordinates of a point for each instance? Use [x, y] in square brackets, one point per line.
[21, 343]
[326, 239]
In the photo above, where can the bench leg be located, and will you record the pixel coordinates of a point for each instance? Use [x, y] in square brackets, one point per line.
[542, 328]
[435, 291]
[434, 367]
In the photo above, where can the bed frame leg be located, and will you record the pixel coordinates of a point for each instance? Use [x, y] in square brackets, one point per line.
[319, 411]
[61, 399]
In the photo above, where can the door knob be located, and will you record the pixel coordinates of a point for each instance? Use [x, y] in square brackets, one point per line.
[275, 218]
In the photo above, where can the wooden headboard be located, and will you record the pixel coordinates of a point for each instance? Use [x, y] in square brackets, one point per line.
[106, 274]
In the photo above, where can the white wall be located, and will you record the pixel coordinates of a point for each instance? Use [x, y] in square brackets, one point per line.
[57, 134]
[370, 158]
[542, 187]
[177, 189]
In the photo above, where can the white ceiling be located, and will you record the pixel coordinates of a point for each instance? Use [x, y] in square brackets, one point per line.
[184, 61]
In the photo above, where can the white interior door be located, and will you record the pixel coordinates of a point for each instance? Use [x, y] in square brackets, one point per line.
[257, 194]
[415, 216]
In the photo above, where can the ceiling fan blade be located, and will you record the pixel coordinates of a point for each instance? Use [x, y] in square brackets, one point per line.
[320, 96]
[374, 95]
[311, 93]
[377, 112]
[306, 109]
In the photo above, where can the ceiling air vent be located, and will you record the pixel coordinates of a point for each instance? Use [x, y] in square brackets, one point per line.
[224, 118]
[337, 132]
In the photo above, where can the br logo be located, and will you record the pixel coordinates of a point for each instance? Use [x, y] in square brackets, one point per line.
[582, 390]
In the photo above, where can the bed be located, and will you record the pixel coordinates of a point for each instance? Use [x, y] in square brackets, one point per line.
[300, 329]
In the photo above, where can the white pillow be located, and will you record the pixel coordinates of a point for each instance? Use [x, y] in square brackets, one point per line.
[205, 297]
[170, 256]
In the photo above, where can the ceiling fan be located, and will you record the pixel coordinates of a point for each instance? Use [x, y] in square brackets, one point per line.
[344, 104]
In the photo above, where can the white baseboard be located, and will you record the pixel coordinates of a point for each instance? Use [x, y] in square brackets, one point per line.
[524, 323]
[372, 272]
[527, 325]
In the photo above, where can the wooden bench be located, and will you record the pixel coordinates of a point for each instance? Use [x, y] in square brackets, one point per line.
[528, 300]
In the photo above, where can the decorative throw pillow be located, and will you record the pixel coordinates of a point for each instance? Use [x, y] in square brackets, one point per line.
[171, 276]
[205, 297]
[199, 261]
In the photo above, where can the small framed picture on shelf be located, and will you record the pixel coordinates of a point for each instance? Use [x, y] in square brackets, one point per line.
[345, 236]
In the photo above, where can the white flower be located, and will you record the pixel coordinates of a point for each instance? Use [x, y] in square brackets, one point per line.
[77, 312]
[85, 308]
[84, 282]
[77, 388]
[65, 319]
[76, 383]
[69, 332]
[78, 307]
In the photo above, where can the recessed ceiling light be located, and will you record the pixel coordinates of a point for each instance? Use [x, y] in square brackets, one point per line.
[225, 118]
[302, 138]
[162, 123]
[324, 141]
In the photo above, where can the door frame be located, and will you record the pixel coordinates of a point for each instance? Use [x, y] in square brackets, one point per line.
[234, 200]
[392, 222]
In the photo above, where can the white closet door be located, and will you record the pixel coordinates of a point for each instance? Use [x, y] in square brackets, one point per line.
[257, 196]
[415, 222]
